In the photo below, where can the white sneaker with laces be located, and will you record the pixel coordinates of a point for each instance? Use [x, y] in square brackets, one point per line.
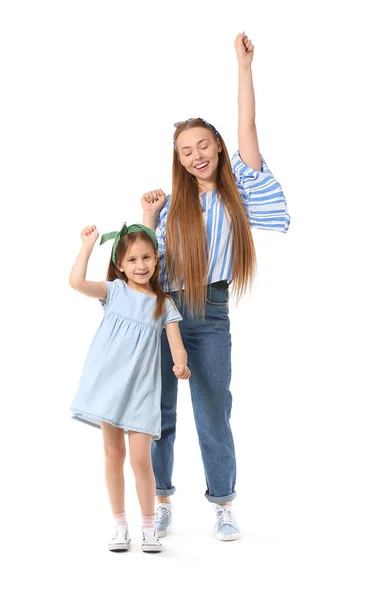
[163, 519]
[150, 540]
[120, 542]
[226, 527]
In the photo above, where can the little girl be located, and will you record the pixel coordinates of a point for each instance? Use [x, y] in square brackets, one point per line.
[120, 386]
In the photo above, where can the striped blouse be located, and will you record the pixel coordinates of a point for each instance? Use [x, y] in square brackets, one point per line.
[264, 204]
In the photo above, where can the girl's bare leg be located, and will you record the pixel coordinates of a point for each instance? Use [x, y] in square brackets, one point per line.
[115, 453]
[140, 459]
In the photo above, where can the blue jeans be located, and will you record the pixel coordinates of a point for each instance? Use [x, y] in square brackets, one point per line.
[208, 345]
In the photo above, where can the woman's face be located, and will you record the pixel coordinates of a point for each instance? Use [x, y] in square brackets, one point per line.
[199, 153]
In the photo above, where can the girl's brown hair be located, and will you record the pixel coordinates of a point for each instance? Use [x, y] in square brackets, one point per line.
[114, 273]
[186, 246]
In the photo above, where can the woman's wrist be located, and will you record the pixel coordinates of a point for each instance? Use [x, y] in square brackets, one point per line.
[245, 67]
[150, 220]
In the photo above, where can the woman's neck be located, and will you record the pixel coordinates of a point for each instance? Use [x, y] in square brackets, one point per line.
[206, 186]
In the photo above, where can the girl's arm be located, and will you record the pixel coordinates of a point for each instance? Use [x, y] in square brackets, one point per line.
[77, 278]
[178, 351]
[248, 142]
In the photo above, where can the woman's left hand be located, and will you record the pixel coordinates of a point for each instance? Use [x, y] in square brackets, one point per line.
[244, 49]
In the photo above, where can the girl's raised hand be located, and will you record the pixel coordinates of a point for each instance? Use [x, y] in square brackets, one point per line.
[153, 202]
[244, 49]
[89, 235]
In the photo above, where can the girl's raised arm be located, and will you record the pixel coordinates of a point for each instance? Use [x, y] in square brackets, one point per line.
[248, 142]
[77, 280]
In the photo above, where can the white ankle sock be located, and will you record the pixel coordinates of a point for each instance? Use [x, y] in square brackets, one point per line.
[167, 505]
[120, 519]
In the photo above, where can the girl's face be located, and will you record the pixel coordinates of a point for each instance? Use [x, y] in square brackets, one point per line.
[199, 154]
[139, 263]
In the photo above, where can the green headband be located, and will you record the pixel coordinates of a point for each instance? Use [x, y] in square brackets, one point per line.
[116, 236]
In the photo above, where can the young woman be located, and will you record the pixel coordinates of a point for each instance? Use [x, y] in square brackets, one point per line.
[205, 244]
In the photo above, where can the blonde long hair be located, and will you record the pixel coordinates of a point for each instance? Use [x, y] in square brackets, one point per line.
[186, 245]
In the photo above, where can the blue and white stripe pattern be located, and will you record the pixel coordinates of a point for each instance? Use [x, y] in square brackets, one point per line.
[264, 204]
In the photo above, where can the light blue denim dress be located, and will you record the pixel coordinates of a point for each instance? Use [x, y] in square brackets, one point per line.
[121, 379]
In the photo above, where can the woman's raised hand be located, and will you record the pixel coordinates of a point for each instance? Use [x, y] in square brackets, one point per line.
[153, 202]
[244, 49]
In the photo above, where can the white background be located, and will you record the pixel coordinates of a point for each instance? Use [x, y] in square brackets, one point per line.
[90, 91]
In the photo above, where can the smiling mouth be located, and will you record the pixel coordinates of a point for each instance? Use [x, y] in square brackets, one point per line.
[202, 166]
[141, 274]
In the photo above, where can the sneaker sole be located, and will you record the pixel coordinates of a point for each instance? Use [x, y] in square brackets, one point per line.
[229, 537]
[119, 547]
[163, 532]
[152, 549]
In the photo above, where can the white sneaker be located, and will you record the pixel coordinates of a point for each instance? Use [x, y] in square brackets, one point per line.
[120, 542]
[150, 540]
[226, 528]
[163, 519]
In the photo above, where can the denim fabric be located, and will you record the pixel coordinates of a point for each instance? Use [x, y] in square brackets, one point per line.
[208, 345]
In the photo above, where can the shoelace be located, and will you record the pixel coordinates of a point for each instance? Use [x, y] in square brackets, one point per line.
[125, 534]
[161, 515]
[154, 536]
[225, 516]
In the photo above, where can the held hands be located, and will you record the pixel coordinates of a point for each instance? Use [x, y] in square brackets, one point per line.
[153, 202]
[89, 235]
[244, 50]
[181, 371]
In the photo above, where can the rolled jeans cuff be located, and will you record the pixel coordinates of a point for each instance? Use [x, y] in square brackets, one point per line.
[165, 493]
[220, 499]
